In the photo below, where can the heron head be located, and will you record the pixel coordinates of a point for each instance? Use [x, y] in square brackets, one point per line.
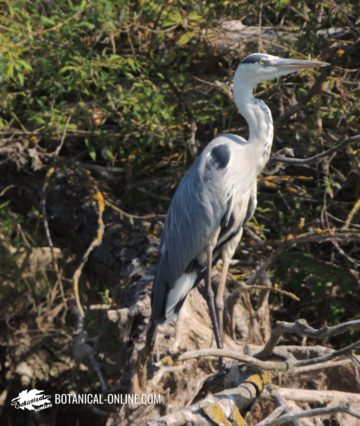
[259, 67]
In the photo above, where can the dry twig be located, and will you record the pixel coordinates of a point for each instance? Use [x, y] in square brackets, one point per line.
[282, 403]
[315, 412]
[98, 197]
[132, 216]
[288, 365]
[319, 396]
[317, 157]
[48, 175]
[63, 137]
[301, 328]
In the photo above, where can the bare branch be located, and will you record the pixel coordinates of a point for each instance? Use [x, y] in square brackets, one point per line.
[320, 366]
[63, 137]
[48, 175]
[99, 199]
[316, 87]
[346, 350]
[261, 270]
[318, 396]
[84, 350]
[6, 189]
[273, 415]
[288, 365]
[315, 412]
[351, 215]
[282, 402]
[319, 236]
[317, 157]
[245, 359]
[248, 288]
[301, 328]
[132, 216]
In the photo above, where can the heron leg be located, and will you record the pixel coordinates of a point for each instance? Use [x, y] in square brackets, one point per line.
[211, 303]
[219, 301]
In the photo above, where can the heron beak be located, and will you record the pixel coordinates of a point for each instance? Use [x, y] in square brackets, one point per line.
[290, 65]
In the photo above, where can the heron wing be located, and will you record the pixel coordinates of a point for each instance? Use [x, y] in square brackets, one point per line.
[202, 199]
[193, 217]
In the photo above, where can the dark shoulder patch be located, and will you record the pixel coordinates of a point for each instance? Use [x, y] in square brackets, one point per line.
[254, 58]
[220, 156]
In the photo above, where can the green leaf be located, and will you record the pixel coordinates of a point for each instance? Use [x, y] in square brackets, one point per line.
[21, 79]
[174, 18]
[47, 20]
[25, 65]
[194, 16]
[185, 38]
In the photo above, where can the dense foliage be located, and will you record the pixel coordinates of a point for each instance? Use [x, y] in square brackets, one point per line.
[132, 91]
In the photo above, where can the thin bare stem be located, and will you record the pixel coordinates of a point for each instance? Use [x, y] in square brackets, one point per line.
[317, 157]
[301, 328]
[315, 412]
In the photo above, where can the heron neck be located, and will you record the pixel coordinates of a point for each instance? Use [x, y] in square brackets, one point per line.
[259, 119]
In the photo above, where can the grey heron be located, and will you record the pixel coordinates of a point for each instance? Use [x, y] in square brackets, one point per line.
[216, 197]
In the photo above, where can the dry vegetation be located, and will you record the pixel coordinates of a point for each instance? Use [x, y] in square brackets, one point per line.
[104, 104]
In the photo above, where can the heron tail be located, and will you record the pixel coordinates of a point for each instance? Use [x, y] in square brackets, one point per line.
[167, 300]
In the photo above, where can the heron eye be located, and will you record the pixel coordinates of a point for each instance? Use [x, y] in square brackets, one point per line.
[261, 62]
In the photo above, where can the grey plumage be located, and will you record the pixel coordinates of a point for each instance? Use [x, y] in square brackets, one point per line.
[217, 195]
[202, 210]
